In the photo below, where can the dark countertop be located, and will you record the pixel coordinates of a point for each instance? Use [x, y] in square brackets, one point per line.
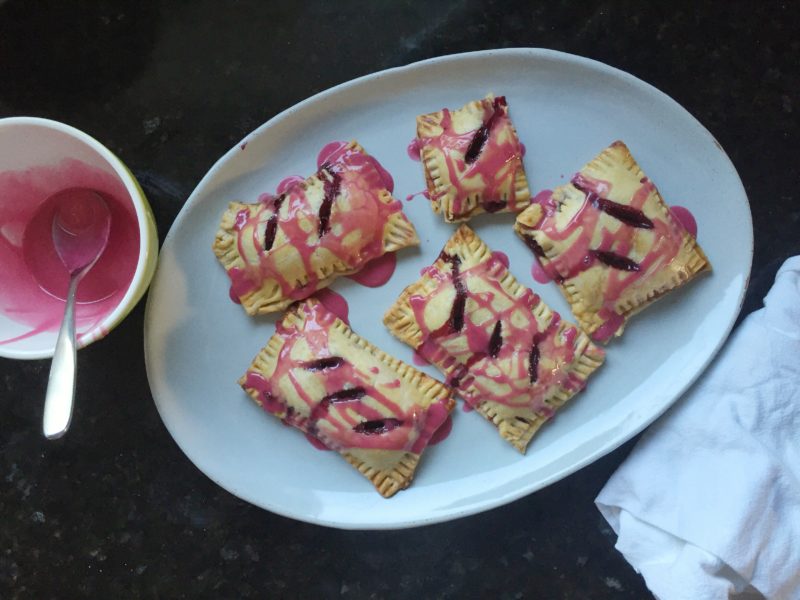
[115, 509]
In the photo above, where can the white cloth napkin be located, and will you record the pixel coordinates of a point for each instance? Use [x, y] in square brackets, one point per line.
[707, 505]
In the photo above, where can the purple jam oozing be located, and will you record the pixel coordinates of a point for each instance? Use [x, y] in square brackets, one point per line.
[272, 225]
[324, 363]
[493, 206]
[615, 261]
[456, 320]
[533, 360]
[332, 183]
[531, 243]
[482, 134]
[321, 409]
[496, 340]
[355, 393]
[627, 214]
[377, 427]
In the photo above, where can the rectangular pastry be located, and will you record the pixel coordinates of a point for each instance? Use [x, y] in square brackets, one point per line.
[287, 247]
[319, 376]
[472, 160]
[500, 346]
[610, 242]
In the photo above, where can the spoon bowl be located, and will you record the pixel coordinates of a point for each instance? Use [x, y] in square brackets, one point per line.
[80, 228]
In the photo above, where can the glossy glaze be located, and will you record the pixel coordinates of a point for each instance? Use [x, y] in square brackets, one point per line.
[484, 160]
[496, 353]
[582, 253]
[277, 228]
[356, 409]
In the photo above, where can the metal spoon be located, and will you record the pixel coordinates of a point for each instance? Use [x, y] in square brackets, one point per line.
[81, 225]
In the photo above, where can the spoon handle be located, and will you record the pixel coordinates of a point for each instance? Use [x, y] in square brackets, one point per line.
[61, 383]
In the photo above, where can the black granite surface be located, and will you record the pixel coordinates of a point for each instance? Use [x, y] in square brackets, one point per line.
[115, 510]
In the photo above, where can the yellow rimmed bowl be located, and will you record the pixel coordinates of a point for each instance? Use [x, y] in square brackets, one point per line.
[39, 157]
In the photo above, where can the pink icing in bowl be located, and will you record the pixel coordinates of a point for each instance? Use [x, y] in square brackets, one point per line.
[39, 158]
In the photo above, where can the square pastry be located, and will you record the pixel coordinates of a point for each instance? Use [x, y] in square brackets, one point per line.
[287, 247]
[610, 242]
[472, 160]
[319, 376]
[507, 354]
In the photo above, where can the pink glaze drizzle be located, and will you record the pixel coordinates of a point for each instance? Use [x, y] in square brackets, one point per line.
[341, 417]
[488, 157]
[482, 354]
[272, 230]
[424, 193]
[613, 248]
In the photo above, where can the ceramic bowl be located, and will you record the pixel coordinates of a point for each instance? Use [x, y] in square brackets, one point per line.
[39, 157]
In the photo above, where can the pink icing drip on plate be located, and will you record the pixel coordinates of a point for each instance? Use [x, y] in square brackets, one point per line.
[287, 183]
[502, 257]
[444, 430]
[376, 272]
[336, 413]
[538, 272]
[33, 280]
[413, 150]
[686, 218]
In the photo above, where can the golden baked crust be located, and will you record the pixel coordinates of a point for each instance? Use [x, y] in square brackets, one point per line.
[504, 350]
[610, 241]
[319, 376]
[331, 224]
[472, 160]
